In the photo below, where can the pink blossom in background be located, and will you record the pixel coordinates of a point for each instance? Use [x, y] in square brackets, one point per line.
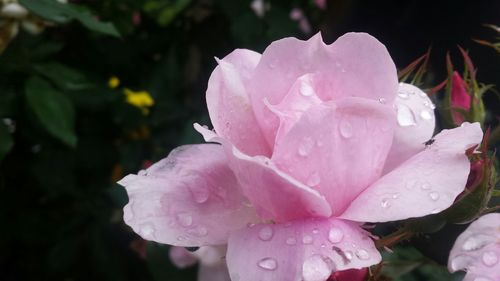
[477, 250]
[312, 141]
[460, 99]
[211, 262]
[320, 4]
[297, 15]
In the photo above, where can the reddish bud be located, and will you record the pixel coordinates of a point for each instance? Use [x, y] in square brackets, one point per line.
[350, 275]
[460, 99]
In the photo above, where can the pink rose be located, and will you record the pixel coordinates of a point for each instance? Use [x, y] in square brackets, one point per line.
[477, 250]
[315, 140]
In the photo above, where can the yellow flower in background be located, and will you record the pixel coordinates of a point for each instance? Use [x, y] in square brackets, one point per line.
[113, 82]
[140, 99]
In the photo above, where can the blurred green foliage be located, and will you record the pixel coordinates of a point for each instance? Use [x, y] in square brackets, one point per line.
[66, 137]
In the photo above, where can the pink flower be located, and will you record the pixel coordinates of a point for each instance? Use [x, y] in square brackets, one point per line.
[211, 259]
[460, 99]
[320, 4]
[477, 250]
[315, 140]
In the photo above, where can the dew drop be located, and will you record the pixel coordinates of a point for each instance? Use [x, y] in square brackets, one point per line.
[315, 268]
[362, 254]
[268, 264]
[461, 262]
[266, 233]
[382, 100]
[306, 90]
[335, 235]
[434, 195]
[404, 95]
[305, 146]
[199, 194]
[386, 203]
[405, 116]
[147, 230]
[307, 239]
[315, 231]
[291, 241]
[476, 242]
[348, 255]
[425, 114]
[314, 179]
[425, 186]
[490, 258]
[395, 196]
[184, 219]
[345, 129]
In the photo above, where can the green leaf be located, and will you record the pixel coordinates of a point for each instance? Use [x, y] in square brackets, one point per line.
[54, 11]
[6, 142]
[54, 110]
[64, 77]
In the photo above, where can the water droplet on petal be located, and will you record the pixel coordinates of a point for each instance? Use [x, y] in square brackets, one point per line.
[425, 186]
[314, 179]
[461, 262]
[147, 230]
[490, 258]
[395, 195]
[291, 241]
[382, 100]
[477, 242]
[335, 235]
[425, 114]
[403, 95]
[345, 128]
[315, 268]
[268, 264]
[362, 254]
[385, 203]
[306, 90]
[305, 146]
[315, 231]
[266, 233]
[434, 195]
[307, 239]
[348, 255]
[405, 116]
[200, 193]
[184, 219]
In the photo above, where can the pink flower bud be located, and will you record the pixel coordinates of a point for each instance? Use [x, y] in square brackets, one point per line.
[460, 99]
[350, 275]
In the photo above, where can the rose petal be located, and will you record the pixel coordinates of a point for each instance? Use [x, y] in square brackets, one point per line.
[304, 94]
[358, 65]
[416, 122]
[338, 148]
[300, 250]
[427, 183]
[191, 198]
[229, 106]
[266, 186]
[181, 257]
[477, 250]
[213, 273]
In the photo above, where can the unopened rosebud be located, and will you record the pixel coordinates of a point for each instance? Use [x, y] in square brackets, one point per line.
[460, 98]
[350, 275]
[13, 10]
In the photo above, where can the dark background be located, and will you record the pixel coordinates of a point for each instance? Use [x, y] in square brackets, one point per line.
[60, 210]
